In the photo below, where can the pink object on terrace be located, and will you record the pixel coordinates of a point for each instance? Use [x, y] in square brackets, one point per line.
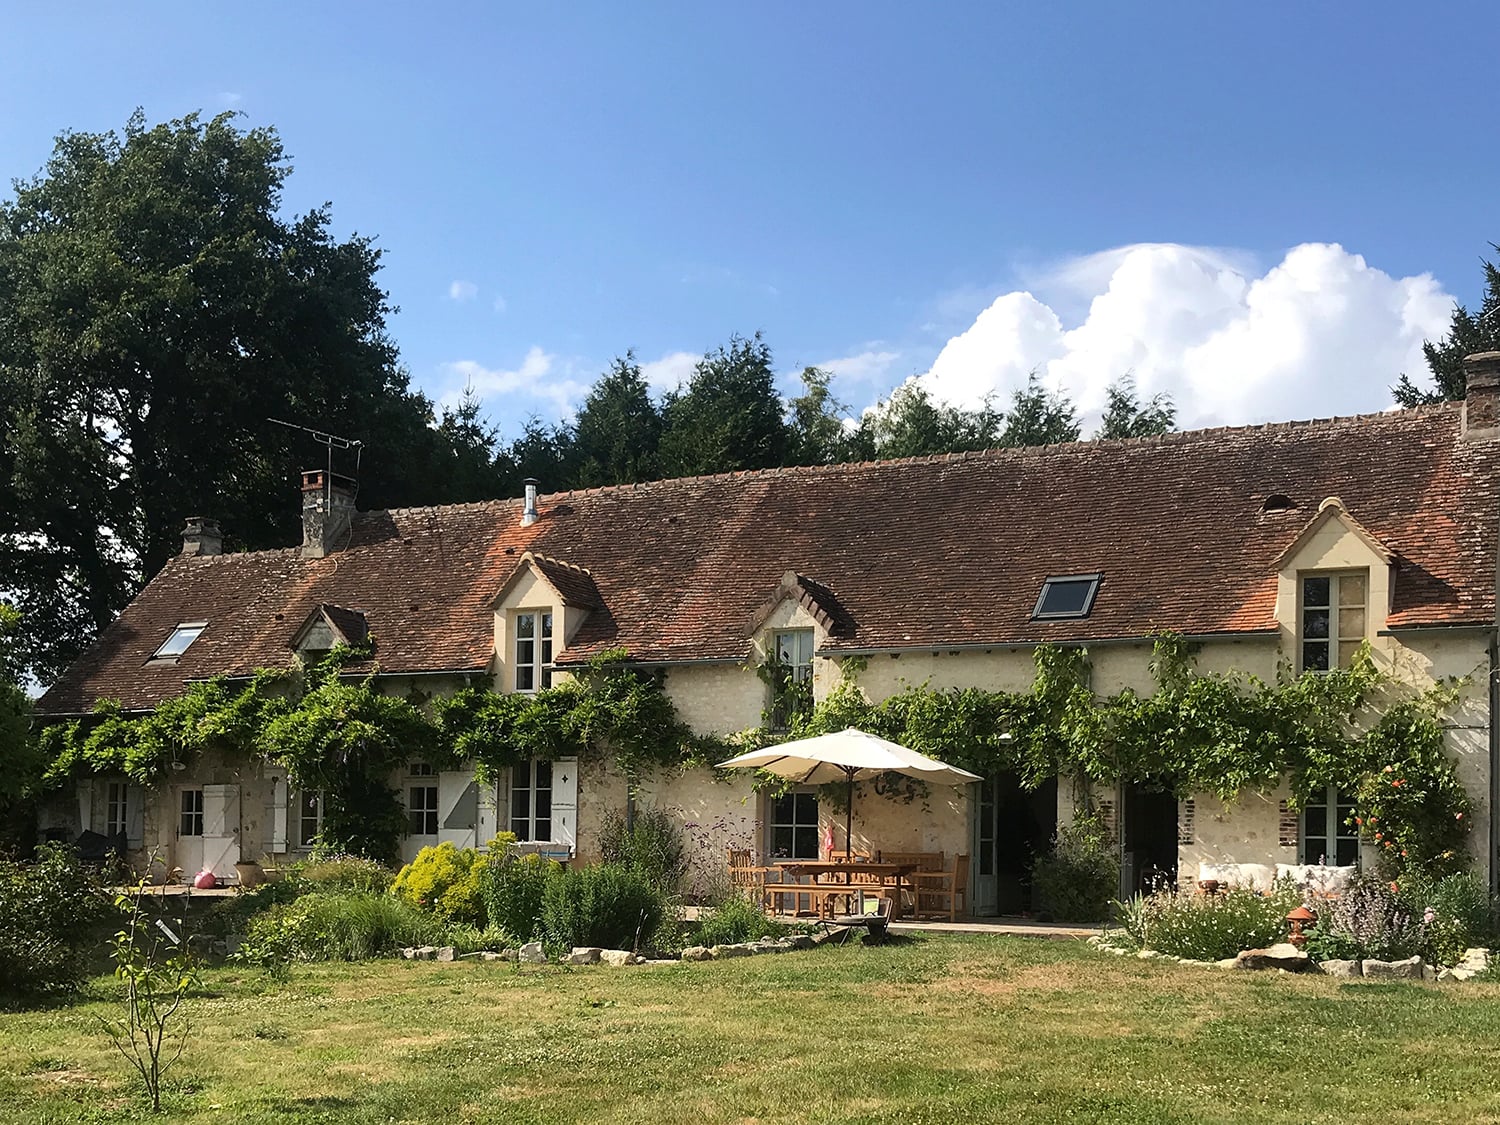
[205, 880]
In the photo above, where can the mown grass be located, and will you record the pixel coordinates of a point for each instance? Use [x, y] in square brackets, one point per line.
[935, 1030]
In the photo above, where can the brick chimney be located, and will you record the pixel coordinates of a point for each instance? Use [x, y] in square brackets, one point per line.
[327, 511]
[1482, 395]
[202, 536]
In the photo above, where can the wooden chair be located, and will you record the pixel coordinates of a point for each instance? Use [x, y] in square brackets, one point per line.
[939, 889]
[743, 874]
[849, 857]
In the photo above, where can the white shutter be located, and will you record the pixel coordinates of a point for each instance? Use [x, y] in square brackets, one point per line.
[135, 817]
[86, 805]
[276, 812]
[490, 815]
[565, 803]
[221, 828]
[458, 808]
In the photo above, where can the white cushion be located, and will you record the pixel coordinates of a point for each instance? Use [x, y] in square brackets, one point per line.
[1318, 877]
[1251, 876]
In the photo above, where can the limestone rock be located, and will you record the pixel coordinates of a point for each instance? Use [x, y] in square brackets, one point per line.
[697, 953]
[447, 953]
[736, 950]
[533, 954]
[1408, 969]
[800, 941]
[1337, 967]
[1228, 963]
[619, 957]
[1283, 955]
[503, 955]
[583, 955]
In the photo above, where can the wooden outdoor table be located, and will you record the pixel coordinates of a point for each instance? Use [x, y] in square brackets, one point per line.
[842, 874]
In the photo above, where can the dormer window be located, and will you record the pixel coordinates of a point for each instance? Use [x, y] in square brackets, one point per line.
[1068, 595]
[181, 639]
[533, 650]
[1332, 619]
[792, 676]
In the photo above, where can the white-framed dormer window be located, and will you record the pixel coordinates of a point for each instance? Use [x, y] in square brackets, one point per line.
[1328, 834]
[533, 652]
[179, 640]
[1331, 618]
[791, 686]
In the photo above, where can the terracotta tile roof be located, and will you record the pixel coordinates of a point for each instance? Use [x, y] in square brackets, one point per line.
[921, 553]
[573, 583]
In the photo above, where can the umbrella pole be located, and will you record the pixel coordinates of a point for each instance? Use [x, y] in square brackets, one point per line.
[849, 822]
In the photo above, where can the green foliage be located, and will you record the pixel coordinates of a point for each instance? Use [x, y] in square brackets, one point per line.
[1038, 416]
[653, 846]
[1208, 927]
[332, 872]
[1078, 878]
[618, 429]
[1468, 333]
[607, 905]
[1437, 918]
[53, 914]
[447, 881]
[329, 926]
[157, 305]
[1126, 416]
[736, 919]
[21, 761]
[158, 973]
[514, 887]
[728, 416]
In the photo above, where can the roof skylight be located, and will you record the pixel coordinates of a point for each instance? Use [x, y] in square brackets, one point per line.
[1067, 595]
[182, 637]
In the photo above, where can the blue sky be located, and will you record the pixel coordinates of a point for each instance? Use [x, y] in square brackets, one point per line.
[1261, 209]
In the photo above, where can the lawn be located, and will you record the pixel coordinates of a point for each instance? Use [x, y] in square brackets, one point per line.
[931, 1030]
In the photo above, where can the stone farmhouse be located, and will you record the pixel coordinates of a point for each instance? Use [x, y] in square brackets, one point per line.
[1290, 543]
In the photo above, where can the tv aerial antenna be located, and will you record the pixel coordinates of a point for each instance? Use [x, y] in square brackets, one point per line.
[331, 442]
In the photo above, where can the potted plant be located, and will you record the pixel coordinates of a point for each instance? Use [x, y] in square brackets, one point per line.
[250, 873]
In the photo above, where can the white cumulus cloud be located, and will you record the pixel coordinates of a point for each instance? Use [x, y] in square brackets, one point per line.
[462, 290]
[868, 366]
[537, 377]
[670, 371]
[1322, 332]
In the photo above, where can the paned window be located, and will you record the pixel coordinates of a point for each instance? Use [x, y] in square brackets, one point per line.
[794, 825]
[422, 769]
[1068, 595]
[114, 809]
[180, 638]
[191, 822]
[791, 685]
[533, 650]
[531, 801]
[1333, 619]
[422, 810]
[1328, 832]
[309, 817]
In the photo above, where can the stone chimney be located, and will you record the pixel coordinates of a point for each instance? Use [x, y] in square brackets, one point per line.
[327, 511]
[1482, 395]
[202, 536]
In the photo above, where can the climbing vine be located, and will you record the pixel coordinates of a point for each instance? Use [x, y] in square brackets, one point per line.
[1218, 733]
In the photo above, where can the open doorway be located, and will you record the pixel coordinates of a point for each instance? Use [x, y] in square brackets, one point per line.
[1148, 838]
[1013, 826]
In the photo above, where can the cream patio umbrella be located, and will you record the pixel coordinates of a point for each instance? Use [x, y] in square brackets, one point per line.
[850, 755]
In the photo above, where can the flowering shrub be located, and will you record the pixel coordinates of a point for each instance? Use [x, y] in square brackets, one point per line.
[1382, 920]
[447, 881]
[1413, 808]
[1208, 927]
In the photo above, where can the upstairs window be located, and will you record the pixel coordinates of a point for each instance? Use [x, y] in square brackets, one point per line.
[533, 650]
[791, 676]
[1332, 619]
[1068, 595]
[181, 638]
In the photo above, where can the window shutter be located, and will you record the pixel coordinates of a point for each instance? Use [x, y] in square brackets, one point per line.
[135, 817]
[276, 813]
[458, 808]
[565, 802]
[86, 805]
